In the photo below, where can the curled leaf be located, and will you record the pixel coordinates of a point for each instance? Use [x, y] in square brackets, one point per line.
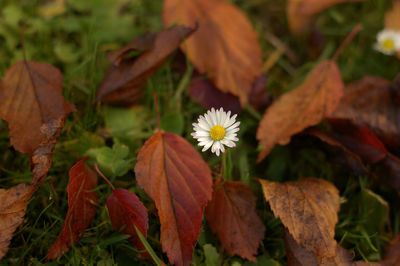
[124, 80]
[175, 176]
[232, 215]
[316, 98]
[82, 202]
[232, 57]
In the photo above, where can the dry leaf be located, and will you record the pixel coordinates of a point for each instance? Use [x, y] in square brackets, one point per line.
[12, 211]
[175, 176]
[225, 47]
[308, 209]
[126, 212]
[31, 102]
[392, 20]
[82, 202]
[306, 105]
[299, 256]
[373, 101]
[301, 13]
[124, 80]
[232, 215]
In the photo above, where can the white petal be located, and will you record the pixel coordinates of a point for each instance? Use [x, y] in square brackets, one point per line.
[207, 146]
[233, 126]
[233, 130]
[228, 143]
[230, 121]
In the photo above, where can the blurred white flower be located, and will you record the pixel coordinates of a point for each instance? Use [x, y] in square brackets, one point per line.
[216, 129]
[388, 41]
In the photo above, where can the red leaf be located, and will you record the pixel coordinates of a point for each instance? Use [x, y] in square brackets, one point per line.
[232, 215]
[127, 211]
[374, 102]
[123, 82]
[175, 176]
[82, 202]
[13, 203]
[31, 102]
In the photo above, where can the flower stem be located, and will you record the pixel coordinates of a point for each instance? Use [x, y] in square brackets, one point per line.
[226, 172]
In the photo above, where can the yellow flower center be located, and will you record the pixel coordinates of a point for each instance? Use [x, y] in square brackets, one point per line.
[388, 44]
[217, 132]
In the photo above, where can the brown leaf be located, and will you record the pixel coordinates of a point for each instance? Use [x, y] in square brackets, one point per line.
[225, 47]
[374, 102]
[306, 105]
[232, 215]
[392, 254]
[82, 202]
[308, 209]
[301, 13]
[175, 176]
[31, 102]
[124, 80]
[392, 20]
[142, 44]
[12, 211]
[299, 256]
[126, 212]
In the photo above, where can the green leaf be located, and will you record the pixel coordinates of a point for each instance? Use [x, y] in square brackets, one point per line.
[12, 15]
[212, 256]
[66, 52]
[173, 122]
[127, 125]
[112, 162]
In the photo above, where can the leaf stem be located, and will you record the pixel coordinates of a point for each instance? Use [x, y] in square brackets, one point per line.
[253, 112]
[96, 167]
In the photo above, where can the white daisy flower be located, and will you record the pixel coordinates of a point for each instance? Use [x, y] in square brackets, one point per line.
[216, 129]
[388, 41]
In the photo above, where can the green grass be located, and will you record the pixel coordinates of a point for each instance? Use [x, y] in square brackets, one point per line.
[77, 41]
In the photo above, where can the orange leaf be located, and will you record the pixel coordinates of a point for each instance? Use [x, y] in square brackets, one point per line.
[175, 176]
[225, 46]
[123, 82]
[392, 16]
[13, 203]
[127, 211]
[31, 102]
[302, 107]
[301, 13]
[232, 215]
[82, 202]
[308, 209]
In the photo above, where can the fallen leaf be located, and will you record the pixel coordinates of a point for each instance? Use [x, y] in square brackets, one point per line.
[126, 212]
[301, 13]
[392, 253]
[82, 202]
[225, 47]
[308, 209]
[176, 177]
[232, 216]
[299, 256]
[12, 211]
[392, 16]
[31, 102]
[124, 80]
[374, 102]
[360, 141]
[306, 105]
